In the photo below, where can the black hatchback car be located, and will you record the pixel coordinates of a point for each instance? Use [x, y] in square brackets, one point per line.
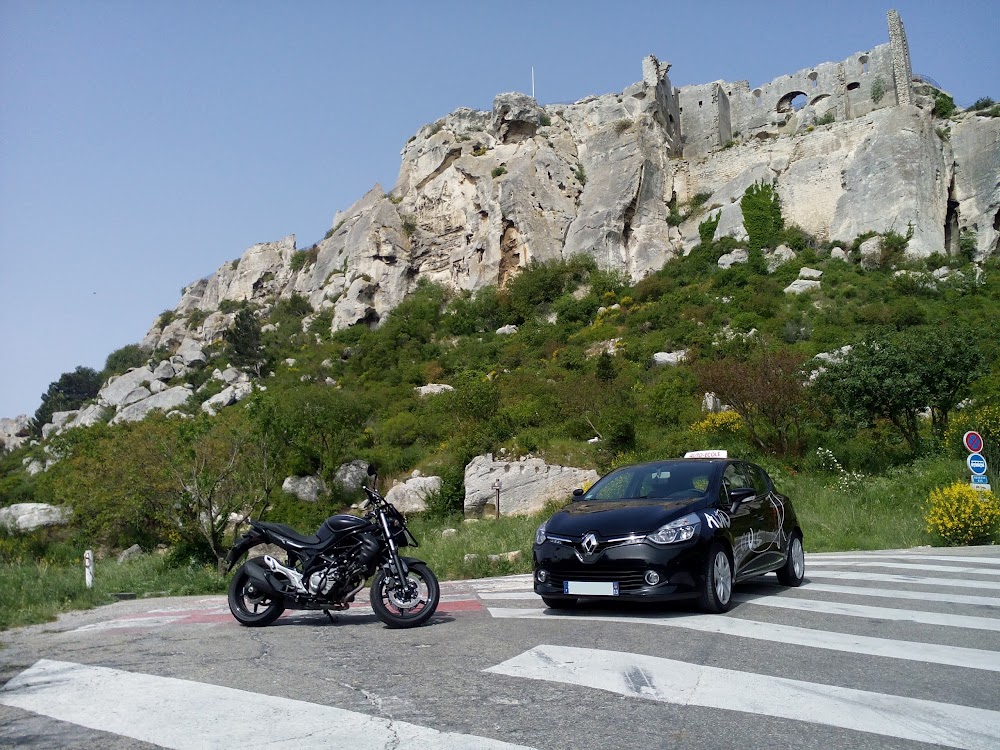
[673, 529]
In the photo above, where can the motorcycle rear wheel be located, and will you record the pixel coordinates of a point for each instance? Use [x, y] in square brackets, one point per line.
[406, 607]
[250, 608]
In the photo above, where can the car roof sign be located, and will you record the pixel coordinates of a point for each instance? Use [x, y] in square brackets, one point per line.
[715, 453]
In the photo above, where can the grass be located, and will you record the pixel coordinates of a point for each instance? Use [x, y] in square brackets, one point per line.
[836, 512]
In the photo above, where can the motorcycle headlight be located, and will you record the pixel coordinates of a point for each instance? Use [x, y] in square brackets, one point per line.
[679, 530]
[540, 534]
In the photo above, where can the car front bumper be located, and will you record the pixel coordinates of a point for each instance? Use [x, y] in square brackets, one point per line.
[680, 569]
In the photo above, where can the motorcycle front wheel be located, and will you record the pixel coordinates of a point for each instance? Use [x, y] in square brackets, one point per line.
[249, 606]
[407, 605]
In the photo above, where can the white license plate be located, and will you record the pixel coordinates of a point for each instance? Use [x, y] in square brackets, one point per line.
[591, 588]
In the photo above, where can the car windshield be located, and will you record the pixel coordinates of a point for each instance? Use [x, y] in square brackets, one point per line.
[666, 480]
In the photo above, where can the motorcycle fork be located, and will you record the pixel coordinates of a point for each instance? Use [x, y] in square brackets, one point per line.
[393, 550]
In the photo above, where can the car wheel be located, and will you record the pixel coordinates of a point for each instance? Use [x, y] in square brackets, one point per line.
[794, 569]
[553, 603]
[717, 586]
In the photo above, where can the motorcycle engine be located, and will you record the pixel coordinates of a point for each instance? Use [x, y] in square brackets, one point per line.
[323, 581]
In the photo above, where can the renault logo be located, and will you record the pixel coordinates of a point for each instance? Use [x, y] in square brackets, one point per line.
[589, 543]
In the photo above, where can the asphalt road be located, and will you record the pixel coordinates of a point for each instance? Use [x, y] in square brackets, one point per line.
[876, 650]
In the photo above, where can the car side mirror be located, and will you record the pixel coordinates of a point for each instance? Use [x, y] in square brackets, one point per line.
[740, 495]
[578, 492]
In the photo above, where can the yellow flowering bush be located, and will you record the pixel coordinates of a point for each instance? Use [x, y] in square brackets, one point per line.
[959, 515]
[985, 420]
[718, 423]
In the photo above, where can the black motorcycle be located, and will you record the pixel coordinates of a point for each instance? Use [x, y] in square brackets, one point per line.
[325, 571]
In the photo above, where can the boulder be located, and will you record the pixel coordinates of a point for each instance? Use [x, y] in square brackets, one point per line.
[14, 432]
[130, 554]
[809, 273]
[118, 387]
[171, 398]
[352, 476]
[781, 255]
[226, 397]
[411, 496]
[31, 516]
[800, 286]
[432, 389]
[307, 488]
[191, 353]
[164, 371]
[739, 255]
[507, 330]
[662, 359]
[525, 485]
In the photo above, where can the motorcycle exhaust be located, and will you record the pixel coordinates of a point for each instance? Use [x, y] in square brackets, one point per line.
[262, 580]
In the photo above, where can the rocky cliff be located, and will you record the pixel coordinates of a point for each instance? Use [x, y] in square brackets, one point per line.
[482, 194]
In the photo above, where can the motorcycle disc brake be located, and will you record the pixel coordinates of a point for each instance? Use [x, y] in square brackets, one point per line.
[406, 596]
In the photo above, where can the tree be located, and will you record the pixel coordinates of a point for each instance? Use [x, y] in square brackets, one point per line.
[69, 392]
[766, 389]
[124, 359]
[243, 345]
[898, 376]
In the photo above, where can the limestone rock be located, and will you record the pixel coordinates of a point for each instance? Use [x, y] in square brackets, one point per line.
[352, 476]
[432, 389]
[871, 253]
[133, 552]
[14, 432]
[809, 273]
[307, 488]
[507, 330]
[164, 401]
[226, 397]
[411, 496]
[526, 485]
[31, 516]
[739, 255]
[781, 255]
[662, 359]
[191, 353]
[800, 286]
[119, 387]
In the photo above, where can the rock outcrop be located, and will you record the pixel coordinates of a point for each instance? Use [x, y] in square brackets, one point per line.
[526, 485]
[31, 516]
[411, 496]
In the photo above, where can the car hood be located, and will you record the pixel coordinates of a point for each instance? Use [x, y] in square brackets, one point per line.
[613, 518]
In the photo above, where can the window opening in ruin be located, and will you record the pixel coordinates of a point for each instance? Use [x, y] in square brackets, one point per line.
[864, 63]
[854, 86]
[792, 102]
[812, 77]
[756, 97]
[699, 104]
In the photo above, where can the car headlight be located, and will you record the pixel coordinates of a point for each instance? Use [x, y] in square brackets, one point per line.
[679, 530]
[540, 534]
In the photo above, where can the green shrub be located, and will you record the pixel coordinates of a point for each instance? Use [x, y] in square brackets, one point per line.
[622, 125]
[166, 317]
[498, 171]
[581, 175]
[959, 514]
[828, 118]
[878, 89]
[944, 105]
[967, 245]
[982, 103]
[706, 230]
[124, 359]
[762, 215]
[544, 121]
[479, 151]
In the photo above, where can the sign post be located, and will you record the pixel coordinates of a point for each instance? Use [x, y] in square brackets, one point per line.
[976, 461]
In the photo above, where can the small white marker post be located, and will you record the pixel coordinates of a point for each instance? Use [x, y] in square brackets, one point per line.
[88, 568]
[496, 486]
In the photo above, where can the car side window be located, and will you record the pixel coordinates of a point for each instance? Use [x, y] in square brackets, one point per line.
[735, 478]
[759, 479]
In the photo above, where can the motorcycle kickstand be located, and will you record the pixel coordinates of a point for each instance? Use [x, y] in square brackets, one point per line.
[332, 618]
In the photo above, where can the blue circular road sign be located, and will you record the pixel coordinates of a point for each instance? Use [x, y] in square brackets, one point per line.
[977, 464]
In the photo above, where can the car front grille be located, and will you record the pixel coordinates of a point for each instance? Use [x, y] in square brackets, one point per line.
[627, 581]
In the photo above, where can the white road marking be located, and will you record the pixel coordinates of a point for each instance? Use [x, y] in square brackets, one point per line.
[512, 595]
[930, 653]
[960, 583]
[668, 681]
[184, 715]
[862, 610]
[905, 566]
[929, 596]
[816, 556]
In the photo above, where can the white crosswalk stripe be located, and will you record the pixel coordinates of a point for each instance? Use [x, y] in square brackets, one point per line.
[670, 681]
[964, 570]
[186, 715]
[813, 558]
[928, 596]
[846, 575]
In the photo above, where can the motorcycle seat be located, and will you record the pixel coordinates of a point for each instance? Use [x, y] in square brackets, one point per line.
[289, 533]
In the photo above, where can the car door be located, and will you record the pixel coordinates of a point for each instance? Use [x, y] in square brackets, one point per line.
[770, 520]
[744, 516]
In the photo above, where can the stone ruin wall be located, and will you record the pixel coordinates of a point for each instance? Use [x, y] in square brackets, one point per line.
[712, 113]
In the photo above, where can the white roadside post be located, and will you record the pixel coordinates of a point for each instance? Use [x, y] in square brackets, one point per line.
[88, 568]
[496, 486]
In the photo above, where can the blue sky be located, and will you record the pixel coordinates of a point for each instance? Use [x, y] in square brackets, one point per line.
[142, 145]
